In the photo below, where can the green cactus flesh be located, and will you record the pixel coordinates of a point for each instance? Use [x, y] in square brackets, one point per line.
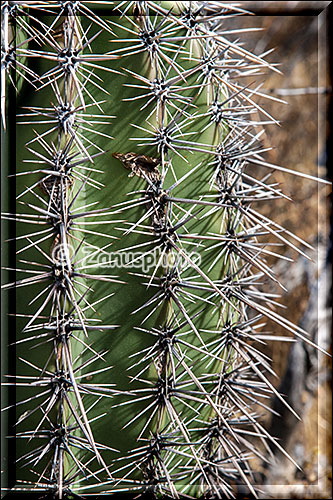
[144, 377]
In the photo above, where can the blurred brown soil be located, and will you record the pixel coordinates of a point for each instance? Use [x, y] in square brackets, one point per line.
[299, 144]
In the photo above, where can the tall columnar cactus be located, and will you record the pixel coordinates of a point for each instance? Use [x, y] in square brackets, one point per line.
[140, 249]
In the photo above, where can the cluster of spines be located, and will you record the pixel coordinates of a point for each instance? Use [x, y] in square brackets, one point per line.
[62, 162]
[199, 429]
[184, 452]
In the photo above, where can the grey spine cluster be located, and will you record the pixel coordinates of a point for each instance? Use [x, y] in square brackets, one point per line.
[194, 379]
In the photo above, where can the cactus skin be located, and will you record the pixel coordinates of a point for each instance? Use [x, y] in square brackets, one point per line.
[152, 389]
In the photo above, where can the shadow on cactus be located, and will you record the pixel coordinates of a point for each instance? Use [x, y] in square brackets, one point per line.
[140, 251]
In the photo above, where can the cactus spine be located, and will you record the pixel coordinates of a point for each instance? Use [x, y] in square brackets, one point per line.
[145, 377]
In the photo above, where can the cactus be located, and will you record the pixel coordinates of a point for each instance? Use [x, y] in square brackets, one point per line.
[140, 250]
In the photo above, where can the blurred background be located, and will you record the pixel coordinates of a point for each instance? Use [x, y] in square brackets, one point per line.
[299, 32]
